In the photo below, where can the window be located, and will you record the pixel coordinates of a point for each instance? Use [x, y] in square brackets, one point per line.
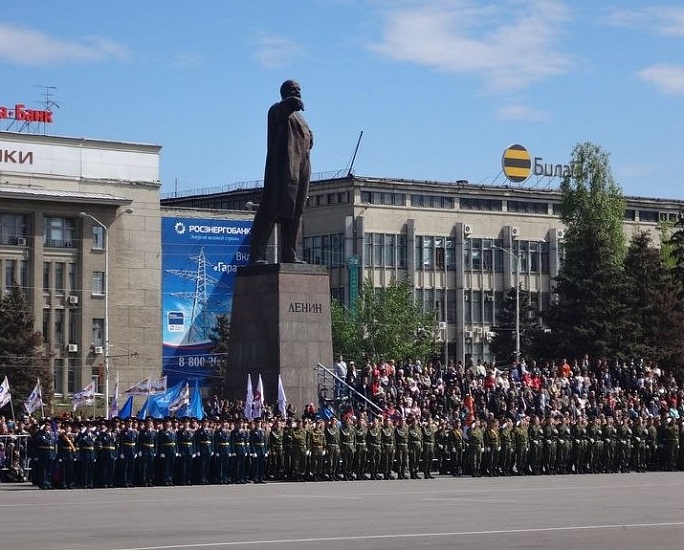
[59, 326]
[385, 198]
[384, 250]
[485, 205]
[73, 371]
[59, 376]
[432, 201]
[390, 250]
[73, 327]
[12, 228]
[58, 232]
[325, 250]
[648, 216]
[46, 277]
[99, 236]
[59, 277]
[10, 274]
[46, 325]
[72, 274]
[98, 332]
[528, 207]
[379, 249]
[98, 283]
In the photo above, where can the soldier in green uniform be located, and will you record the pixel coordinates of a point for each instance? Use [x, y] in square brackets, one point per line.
[204, 444]
[401, 442]
[300, 439]
[671, 444]
[258, 446]
[332, 447]
[506, 453]
[651, 445]
[475, 447]
[639, 436]
[442, 447]
[624, 445]
[222, 443]
[388, 448]
[549, 447]
[536, 436]
[521, 441]
[374, 446]
[609, 445]
[317, 448]
[492, 447]
[415, 446]
[456, 446]
[579, 446]
[595, 445]
[429, 431]
[147, 444]
[361, 451]
[347, 448]
[564, 445]
[276, 464]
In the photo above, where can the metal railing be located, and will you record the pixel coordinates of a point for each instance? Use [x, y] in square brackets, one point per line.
[335, 392]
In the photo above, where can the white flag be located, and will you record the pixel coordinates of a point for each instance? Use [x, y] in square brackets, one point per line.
[249, 399]
[84, 397]
[5, 395]
[35, 400]
[258, 403]
[114, 409]
[282, 400]
[158, 386]
[182, 399]
[141, 388]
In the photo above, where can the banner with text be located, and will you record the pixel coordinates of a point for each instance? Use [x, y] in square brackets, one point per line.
[200, 259]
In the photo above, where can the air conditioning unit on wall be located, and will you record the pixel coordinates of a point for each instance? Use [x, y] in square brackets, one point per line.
[98, 350]
[73, 300]
[515, 232]
[467, 229]
[21, 241]
[72, 348]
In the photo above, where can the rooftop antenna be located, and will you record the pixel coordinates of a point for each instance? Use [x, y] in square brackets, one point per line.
[356, 150]
[48, 103]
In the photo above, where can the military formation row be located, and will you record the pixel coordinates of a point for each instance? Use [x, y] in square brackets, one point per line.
[170, 452]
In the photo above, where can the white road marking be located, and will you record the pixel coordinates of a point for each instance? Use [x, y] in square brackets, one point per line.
[406, 536]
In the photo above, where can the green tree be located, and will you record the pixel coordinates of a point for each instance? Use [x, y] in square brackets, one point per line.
[22, 357]
[385, 322]
[590, 312]
[220, 336]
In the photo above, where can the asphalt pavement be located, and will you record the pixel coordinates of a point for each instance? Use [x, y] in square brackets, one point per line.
[551, 512]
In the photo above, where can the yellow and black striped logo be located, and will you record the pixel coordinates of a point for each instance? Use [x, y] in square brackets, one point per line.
[516, 163]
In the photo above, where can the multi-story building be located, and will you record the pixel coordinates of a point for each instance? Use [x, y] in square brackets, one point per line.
[462, 246]
[80, 232]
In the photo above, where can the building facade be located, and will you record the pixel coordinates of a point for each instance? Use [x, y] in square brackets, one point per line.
[462, 246]
[80, 232]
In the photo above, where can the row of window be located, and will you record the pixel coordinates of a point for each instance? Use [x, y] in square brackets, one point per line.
[57, 232]
[62, 326]
[67, 376]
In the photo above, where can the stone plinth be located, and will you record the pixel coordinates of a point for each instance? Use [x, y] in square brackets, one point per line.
[280, 325]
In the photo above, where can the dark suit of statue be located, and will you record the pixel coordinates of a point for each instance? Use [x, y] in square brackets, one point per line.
[286, 178]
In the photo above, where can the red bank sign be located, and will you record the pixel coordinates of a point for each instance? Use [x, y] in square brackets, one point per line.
[19, 112]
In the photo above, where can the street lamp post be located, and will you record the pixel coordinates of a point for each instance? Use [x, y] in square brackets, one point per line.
[106, 298]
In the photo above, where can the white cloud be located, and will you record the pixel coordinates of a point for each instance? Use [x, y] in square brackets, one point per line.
[667, 78]
[520, 111]
[663, 20]
[23, 46]
[274, 52]
[510, 44]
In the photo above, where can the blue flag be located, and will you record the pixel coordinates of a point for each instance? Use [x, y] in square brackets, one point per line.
[194, 408]
[127, 410]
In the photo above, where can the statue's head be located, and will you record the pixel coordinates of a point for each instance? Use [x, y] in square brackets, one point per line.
[290, 88]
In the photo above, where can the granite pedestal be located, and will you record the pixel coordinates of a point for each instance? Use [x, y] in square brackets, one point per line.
[280, 325]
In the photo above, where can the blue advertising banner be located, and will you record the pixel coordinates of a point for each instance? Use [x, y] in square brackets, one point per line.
[200, 259]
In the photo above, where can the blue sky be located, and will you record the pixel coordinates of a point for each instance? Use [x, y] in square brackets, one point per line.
[439, 88]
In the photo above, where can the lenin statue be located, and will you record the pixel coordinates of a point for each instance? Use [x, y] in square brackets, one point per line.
[286, 178]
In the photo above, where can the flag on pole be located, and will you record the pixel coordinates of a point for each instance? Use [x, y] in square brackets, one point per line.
[282, 400]
[194, 407]
[249, 400]
[158, 386]
[141, 388]
[5, 395]
[85, 397]
[258, 403]
[114, 409]
[182, 400]
[35, 399]
[127, 409]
